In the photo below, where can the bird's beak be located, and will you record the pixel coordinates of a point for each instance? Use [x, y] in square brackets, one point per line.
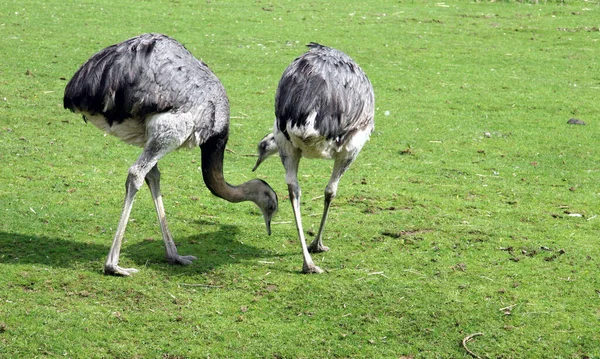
[267, 217]
[268, 224]
[258, 162]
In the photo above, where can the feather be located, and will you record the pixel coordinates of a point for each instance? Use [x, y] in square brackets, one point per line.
[148, 74]
[328, 82]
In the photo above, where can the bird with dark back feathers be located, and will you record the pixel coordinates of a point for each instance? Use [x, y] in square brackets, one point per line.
[150, 91]
[324, 108]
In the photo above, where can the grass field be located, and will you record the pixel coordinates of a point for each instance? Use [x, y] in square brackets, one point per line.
[473, 209]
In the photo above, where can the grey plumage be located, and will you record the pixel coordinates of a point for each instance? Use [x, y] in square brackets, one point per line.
[324, 108]
[329, 82]
[148, 74]
[151, 92]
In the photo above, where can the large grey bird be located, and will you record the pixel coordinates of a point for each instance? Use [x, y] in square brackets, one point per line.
[324, 108]
[151, 92]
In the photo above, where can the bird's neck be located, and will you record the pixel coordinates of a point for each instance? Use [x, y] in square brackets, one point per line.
[213, 152]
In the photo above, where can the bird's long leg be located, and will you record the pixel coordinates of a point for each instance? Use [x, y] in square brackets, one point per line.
[153, 181]
[340, 166]
[155, 149]
[135, 179]
[291, 174]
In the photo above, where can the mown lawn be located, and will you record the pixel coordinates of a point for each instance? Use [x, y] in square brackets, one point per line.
[473, 209]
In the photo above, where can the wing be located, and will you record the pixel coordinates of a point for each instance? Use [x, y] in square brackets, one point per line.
[328, 82]
[147, 74]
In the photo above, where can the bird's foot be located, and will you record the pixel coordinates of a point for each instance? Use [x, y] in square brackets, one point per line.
[316, 247]
[310, 269]
[118, 271]
[183, 260]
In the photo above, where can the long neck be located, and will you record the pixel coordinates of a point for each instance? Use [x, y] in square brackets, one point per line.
[212, 170]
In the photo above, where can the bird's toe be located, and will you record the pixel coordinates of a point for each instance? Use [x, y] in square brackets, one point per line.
[118, 271]
[317, 248]
[311, 269]
[183, 260]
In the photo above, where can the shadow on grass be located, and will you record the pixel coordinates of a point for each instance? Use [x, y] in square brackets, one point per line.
[17, 248]
[213, 249]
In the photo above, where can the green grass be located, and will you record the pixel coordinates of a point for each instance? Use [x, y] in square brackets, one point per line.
[457, 217]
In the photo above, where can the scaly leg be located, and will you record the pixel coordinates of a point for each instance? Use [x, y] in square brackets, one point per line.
[308, 266]
[155, 149]
[340, 166]
[153, 181]
[132, 186]
[291, 174]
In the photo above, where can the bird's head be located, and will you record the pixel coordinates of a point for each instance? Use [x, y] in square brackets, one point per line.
[265, 198]
[266, 147]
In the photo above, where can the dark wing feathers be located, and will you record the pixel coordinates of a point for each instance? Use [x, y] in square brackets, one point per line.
[330, 83]
[147, 74]
[106, 82]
